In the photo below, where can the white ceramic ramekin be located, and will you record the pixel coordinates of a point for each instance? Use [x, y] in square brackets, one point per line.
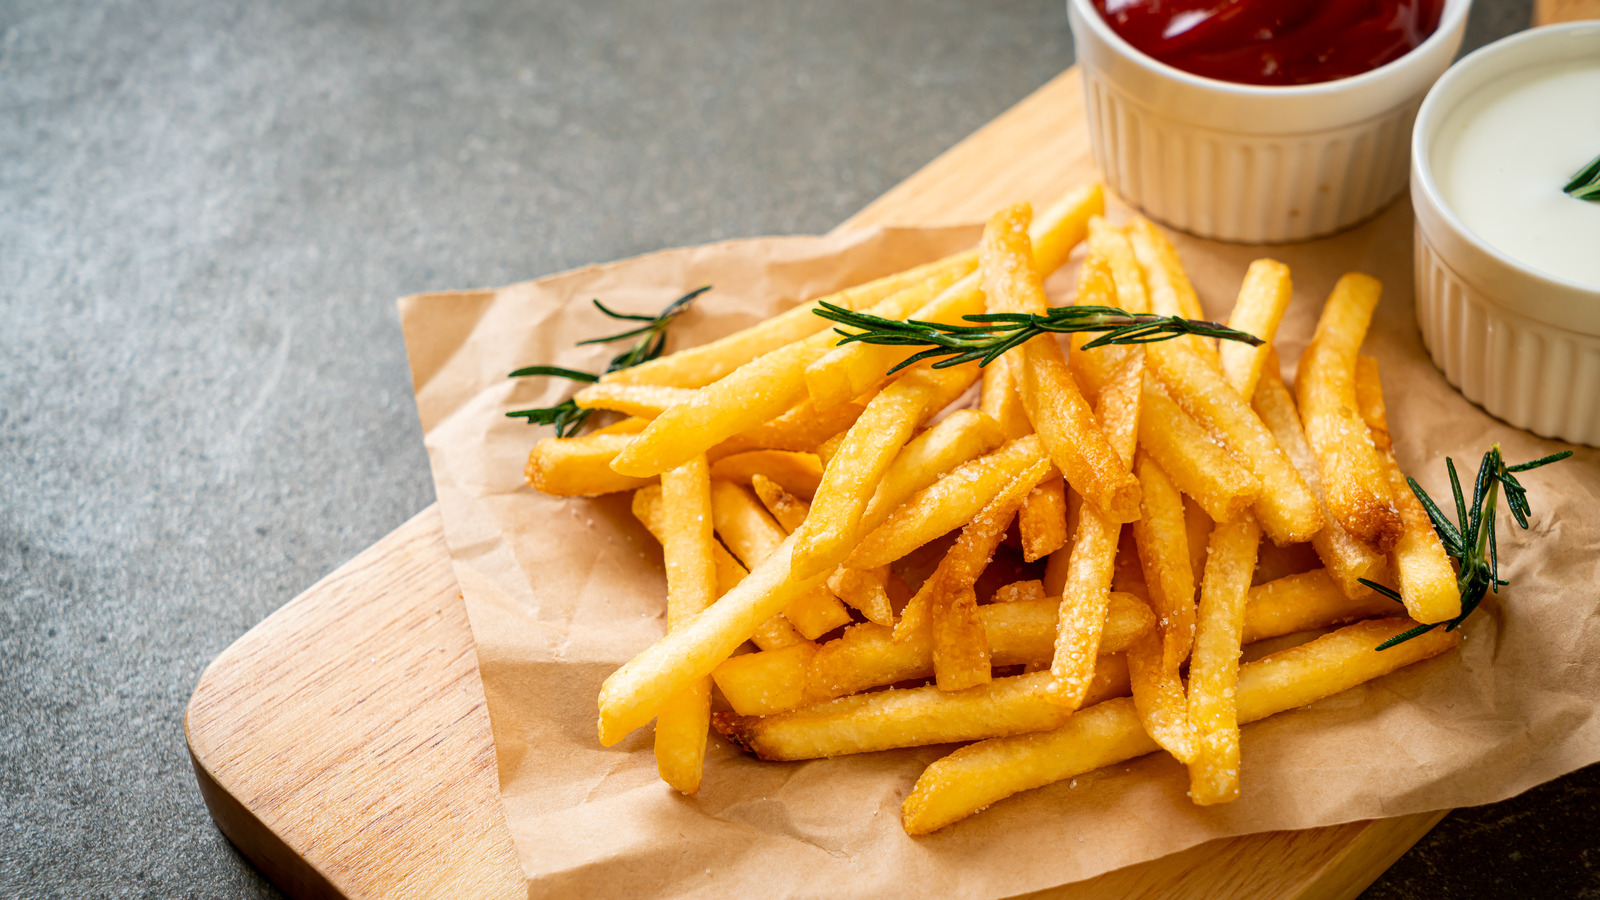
[1240, 162]
[1522, 344]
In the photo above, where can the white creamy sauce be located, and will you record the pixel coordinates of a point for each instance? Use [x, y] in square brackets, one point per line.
[1504, 155]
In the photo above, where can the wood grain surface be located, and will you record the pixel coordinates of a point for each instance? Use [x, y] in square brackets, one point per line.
[343, 744]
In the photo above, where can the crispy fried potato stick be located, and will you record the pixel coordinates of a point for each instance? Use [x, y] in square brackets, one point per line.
[691, 587]
[849, 371]
[1094, 549]
[643, 400]
[1158, 698]
[1162, 538]
[772, 681]
[1351, 469]
[1000, 399]
[1042, 523]
[867, 591]
[630, 425]
[1305, 601]
[747, 397]
[960, 648]
[699, 366]
[944, 505]
[1171, 294]
[1192, 459]
[1055, 406]
[1031, 589]
[1288, 511]
[799, 429]
[1214, 670]
[1263, 298]
[579, 466]
[789, 510]
[797, 473]
[1347, 559]
[976, 776]
[1427, 580]
[859, 463]
[752, 534]
[774, 633]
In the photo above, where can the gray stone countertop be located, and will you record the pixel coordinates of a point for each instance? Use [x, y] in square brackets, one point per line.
[207, 210]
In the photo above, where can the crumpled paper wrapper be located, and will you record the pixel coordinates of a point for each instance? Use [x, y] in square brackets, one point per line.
[560, 592]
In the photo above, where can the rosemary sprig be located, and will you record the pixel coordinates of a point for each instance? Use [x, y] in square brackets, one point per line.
[1586, 184]
[567, 416]
[995, 333]
[1470, 539]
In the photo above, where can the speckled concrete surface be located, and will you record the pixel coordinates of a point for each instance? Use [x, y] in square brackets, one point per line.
[206, 212]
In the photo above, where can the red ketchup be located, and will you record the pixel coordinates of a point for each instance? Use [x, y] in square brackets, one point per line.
[1273, 41]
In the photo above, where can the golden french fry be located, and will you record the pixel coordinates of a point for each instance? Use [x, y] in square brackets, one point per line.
[1369, 399]
[1346, 558]
[579, 466]
[850, 370]
[829, 447]
[760, 684]
[1288, 511]
[642, 400]
[1159, 699]
[1032, 589]
[973, 777]
[1042, 521]
[799, 429]
[752, 535]
[773, 634]
[1263, 297]
[912, 717]
[1171, 294]
[1094, 549]
[630, 425]
[867, 591]
[1191, 458]
[944, 505]
[1162, 537]
[960, 647]
[1352, 472]
[1115, 248]
[790, 511]
[963, 435]
[861, 460]
[1000, 399]
[1055, 406]
[691, 587]
[1199, 526]
[1214, 668]
[699, 366]
[744, 399]
[796, 472]
[1304, 602]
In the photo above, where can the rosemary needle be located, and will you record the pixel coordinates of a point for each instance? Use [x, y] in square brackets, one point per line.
[567, 416]
[1586, 184]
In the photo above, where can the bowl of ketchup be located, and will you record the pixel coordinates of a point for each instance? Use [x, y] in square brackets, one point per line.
[1259, 121]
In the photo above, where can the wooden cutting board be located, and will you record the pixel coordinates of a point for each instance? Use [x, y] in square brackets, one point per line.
[343, 744]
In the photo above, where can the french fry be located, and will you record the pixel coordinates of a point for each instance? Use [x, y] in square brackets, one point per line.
[1288, 511]
[630, 425]
[1303, 602]
[1191, 458]
[579, 466]
[745, 398]
[913, 717]
[1163, 543]
[691, 587]
[699, 366]
[752, 535]
[1042, 521]
[978, 775]
[799, 429]
[1000, 399]
[790, 511]
[1427, 580]
[1158, 698]
[962, 436]
[635, 693]
[829, 447]
[1346, 558]
[1115, 248]
[944, 505]
[1214, 668]
[960, 647]
[1199, 526]
[1094, 550]
[1352, 472]
[798, 473]
[1055, 406]
[859, 463]
[774, 633]
[867, 591]
[760, 684]
[1032, 589]
[1263, 297]
[1171, 294]
[850, 370]
[641, 400]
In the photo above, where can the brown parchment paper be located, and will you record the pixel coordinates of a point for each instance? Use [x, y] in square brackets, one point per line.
[560, 592]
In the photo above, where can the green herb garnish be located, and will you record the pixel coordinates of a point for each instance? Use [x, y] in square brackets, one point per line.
[567, 416]
[1586, 184]
[1470, 540]
[995, 333]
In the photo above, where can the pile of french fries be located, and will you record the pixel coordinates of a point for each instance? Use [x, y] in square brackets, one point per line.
[859, 533]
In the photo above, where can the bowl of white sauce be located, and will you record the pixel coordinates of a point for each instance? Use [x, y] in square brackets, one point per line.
[1507, 259]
